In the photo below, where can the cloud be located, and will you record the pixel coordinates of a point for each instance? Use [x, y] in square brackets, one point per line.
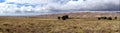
[90, 5]
[56, 6]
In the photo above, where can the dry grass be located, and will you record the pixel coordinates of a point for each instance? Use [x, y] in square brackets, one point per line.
[38, 25]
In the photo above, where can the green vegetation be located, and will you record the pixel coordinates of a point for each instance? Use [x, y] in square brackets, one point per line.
[39, 25]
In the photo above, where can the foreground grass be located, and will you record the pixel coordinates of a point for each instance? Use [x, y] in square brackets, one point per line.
[38, 25]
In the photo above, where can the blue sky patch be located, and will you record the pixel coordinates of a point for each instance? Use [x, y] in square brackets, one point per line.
[2, 1]
[20, 5]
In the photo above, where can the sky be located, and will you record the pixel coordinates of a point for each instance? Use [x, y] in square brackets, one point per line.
[35, 7]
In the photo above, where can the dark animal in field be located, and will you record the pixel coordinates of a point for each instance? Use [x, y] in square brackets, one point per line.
[63, 17]
[109, 18]
[115, 17]
[99, 18]
[59, 17]
[104, 18]
[66, 16]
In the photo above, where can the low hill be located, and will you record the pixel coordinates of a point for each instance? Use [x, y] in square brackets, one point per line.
[81, 15]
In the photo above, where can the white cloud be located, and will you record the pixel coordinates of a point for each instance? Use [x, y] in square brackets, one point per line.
[59, 5]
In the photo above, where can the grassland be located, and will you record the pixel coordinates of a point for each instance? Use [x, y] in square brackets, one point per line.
[40, 25]
[80, 23]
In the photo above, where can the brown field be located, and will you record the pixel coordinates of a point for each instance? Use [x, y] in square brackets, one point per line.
[80, 23]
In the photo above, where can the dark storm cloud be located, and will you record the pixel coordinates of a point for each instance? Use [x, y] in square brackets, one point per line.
[89, 5]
